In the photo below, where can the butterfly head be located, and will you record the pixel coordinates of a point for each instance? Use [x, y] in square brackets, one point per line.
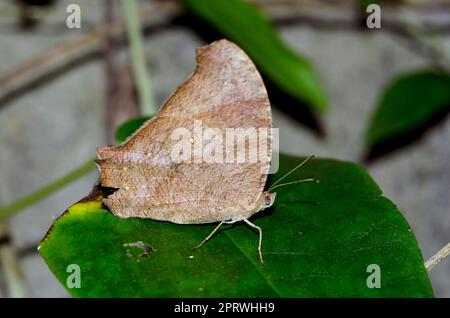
[268, 199]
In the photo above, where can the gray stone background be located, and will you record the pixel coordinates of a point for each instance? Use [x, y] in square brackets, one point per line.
[56, 127]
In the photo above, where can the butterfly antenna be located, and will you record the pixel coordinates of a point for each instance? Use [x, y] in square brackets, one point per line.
[301, 164]
[293, 182]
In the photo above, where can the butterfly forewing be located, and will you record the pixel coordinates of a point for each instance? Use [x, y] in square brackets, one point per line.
[225, 93]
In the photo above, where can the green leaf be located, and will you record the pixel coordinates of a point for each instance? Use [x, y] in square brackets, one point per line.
[365, 3]
[252, 31]
[319, 239]
[128, 127]
[408, 103]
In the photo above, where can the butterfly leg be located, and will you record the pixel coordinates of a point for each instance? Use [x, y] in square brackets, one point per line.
[209, 236]
[260, 238]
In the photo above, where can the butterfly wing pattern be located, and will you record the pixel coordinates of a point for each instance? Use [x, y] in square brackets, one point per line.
[225, 91]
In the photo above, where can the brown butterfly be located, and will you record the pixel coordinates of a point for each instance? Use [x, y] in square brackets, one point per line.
[225, 91]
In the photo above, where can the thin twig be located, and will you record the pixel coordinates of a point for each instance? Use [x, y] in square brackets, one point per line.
[137, 56]
[412, 33]
[427, 48]
[10, 266]
[32, 70]
[111, 76]
[120, 98]
[45, 191]
[438, 257]
[423, 6]
[326, 14]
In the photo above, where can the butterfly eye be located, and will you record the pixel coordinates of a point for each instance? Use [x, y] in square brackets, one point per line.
[269, 199]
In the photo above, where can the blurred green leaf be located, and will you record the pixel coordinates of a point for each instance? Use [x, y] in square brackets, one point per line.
[252, 31]
[128, 127]
[365, 3]
[319, 239]
[408, 103]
